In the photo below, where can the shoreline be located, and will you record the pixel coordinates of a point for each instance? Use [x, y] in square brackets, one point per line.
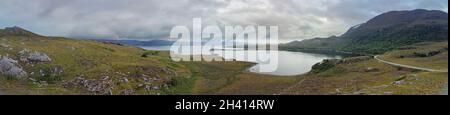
[255, 64]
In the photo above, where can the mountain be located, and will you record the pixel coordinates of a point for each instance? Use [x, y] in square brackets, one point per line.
[383, 33]
[16, 31]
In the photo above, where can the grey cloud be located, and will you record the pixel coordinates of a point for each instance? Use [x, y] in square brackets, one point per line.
[297, 19]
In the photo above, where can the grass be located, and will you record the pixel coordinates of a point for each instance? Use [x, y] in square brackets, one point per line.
[81, 58]
[212, 78]
[354, 80]
[422, 83]
[94, 60]
[256, 84]
[438, 62]
[350, 79]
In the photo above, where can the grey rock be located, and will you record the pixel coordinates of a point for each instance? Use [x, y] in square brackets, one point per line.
[398, 82]
[128, 92]
[34, 57]
[4, 45]
[156, 87]
[388, 93]
[124, 79]
[10, 67]
[358, 93]
[169, 71]
[371, 69]
[38, 57]
[101, 86]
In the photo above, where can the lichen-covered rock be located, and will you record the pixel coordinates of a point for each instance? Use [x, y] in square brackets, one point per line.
[101, 86]
[33, 57]
[4, 45]
[10, 67]
[371, 69]
[128, 92]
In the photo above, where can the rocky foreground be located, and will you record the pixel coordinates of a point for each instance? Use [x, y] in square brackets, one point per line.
[34, 64]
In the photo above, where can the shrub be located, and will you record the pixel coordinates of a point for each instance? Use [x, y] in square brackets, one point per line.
[148, 52]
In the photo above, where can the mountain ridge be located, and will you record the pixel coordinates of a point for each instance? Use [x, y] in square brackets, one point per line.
[16, 31]
[383, 33]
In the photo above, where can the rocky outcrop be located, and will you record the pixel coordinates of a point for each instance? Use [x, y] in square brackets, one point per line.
[371, 69]
[354, 59]
[10, 67]
[4, 45]
[424, 53]
[101, 86]
[169, 71]
[330, 63]
[28, 56]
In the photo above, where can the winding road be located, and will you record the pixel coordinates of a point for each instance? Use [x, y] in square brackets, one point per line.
[444, 91]
[408, 66]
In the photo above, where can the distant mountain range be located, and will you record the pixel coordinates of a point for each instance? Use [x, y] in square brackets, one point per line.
[382, 33]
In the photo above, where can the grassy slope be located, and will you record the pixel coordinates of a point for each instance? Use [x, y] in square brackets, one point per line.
[213, 78]
[352, 79]
[230, 78]
[81, 58]
[438, 62]
[94, 59]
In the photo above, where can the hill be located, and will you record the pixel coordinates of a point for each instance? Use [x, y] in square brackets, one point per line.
[16, 31]
[54, 65]
[383, 33]
[34, 64]
[156, 42]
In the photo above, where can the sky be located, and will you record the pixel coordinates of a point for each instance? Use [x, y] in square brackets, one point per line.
[153, 19]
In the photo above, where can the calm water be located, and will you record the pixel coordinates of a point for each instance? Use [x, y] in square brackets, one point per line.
[156, 48]
[289, 63]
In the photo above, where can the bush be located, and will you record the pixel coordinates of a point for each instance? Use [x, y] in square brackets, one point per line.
[148, 52]
[323, 66]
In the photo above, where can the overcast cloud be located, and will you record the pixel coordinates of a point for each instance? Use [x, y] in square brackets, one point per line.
[297, 19]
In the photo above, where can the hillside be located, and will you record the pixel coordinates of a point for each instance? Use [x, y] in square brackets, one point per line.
[139, 42]
[16, 31]
[426, 55]
[383, 33]
[52, 65]
[40, 65]
[368, 76]
[33, 64]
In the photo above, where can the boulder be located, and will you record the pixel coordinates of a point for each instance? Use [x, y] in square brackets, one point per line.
[168, 71]
[127, 91]
[33, 57]
[10, 67]
[101, 86]
[401, 82]
[4, 45]
[371, 69]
